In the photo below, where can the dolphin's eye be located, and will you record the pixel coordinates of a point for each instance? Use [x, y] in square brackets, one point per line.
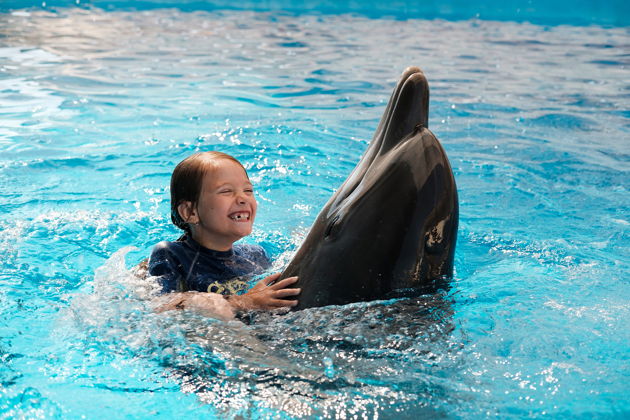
[331, 225]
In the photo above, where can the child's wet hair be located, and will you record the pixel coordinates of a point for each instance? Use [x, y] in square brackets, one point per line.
[187, 180]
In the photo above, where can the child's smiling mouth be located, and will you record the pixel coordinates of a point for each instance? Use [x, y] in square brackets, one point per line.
[241, 216]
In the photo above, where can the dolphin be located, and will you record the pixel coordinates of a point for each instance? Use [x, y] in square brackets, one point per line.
[392, 225]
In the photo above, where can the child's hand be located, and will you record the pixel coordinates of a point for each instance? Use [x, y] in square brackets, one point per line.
[267, 294]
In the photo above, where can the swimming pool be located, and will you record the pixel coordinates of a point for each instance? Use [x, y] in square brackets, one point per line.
[99, 102]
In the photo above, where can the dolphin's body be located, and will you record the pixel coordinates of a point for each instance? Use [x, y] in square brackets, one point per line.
[393, 223]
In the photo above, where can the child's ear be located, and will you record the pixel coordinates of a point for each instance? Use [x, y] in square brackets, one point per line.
[188, 212]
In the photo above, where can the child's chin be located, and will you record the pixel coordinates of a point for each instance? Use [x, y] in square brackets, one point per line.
[244, 230]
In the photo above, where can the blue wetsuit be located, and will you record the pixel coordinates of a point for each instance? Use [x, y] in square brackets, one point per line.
[184, 265]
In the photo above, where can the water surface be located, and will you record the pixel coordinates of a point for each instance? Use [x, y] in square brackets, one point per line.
[98, 107]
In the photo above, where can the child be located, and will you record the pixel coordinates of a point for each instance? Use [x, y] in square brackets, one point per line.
[213, 201]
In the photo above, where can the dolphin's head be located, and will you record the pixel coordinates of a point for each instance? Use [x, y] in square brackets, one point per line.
[393, 223]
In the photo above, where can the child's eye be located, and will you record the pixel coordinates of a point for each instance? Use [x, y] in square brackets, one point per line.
[225, 191]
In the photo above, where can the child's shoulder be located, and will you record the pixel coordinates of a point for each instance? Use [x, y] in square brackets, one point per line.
[168, 247]
[252, 252]
[249, 249]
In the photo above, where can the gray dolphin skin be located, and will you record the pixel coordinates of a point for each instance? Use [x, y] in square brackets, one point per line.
[392, 225]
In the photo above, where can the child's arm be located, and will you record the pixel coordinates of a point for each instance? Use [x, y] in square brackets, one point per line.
[261, 296]
[211, 304]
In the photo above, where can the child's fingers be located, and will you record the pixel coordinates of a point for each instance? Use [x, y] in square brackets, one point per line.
[286, 292]
[284, 283]
[271, 279]
[280, 303]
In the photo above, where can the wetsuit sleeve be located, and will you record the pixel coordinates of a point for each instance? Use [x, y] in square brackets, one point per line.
[165, 265]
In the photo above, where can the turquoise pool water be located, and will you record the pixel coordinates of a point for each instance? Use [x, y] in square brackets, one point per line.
[98, 103]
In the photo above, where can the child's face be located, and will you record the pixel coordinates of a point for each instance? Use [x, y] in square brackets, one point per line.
[226, 208]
